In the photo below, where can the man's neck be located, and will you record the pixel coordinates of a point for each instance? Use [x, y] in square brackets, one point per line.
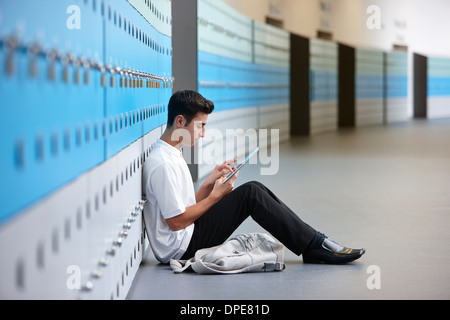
[167, 138]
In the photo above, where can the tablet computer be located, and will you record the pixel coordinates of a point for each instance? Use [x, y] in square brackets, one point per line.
[239, 167]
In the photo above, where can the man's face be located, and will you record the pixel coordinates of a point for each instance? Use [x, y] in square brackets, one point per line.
[196, 127]
[189, 133]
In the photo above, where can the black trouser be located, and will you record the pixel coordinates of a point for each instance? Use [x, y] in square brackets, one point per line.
[255, 200]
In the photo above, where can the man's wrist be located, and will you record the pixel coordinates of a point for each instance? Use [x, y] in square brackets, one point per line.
[209, 182]
[214, 198]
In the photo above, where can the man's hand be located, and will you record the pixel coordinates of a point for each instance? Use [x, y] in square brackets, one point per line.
[219, 171]
[221, 189]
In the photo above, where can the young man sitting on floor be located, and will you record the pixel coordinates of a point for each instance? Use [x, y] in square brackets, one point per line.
[180, 222]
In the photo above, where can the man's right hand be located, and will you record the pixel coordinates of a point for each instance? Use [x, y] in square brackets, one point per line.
[222, 189]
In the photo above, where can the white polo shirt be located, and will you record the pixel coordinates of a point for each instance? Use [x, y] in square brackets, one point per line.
[169, 190]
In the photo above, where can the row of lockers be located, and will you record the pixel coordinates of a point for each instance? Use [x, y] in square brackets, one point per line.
[241, 62]
[334, 85]
[372, 70]
[226, 50]
[234, 84]
[225, 32]
[74, 95]
[85, 240]
[84, 87]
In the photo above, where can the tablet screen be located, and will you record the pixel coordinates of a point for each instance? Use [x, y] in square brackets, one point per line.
[241, 165]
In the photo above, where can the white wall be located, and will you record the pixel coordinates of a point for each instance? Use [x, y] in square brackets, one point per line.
[426, 30]
[430, 27]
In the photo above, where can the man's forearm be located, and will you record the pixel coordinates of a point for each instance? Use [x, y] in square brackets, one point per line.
[204, 191]
[192, 213]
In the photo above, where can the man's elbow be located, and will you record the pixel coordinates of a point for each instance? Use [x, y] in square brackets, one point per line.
[174, 224]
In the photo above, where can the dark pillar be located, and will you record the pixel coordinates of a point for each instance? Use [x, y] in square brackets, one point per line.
[346, 102]
[300, 106]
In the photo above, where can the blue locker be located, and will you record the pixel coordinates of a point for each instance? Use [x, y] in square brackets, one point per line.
[51, 118]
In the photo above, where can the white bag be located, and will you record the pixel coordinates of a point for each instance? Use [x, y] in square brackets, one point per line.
[254, 252]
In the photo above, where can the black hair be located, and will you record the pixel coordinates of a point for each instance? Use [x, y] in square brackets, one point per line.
[187, 103]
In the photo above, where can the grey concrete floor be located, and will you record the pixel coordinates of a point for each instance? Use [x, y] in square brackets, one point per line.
[384, 188]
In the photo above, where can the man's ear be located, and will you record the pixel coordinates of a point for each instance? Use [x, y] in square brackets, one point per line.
[180, 121]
